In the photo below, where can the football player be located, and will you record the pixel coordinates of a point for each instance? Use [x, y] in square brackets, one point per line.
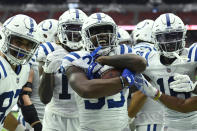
[147, 112]
[18, 44]
[61, 112]
[172, 66]
[46, 32]
[102, 103]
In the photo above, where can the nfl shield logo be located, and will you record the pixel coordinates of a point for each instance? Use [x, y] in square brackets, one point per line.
[17, 80]
[168, 70]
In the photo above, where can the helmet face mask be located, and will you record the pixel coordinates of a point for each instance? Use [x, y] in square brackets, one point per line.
[101, 35]
[69, 29]
[170, 42]
[169, 33]
[99, 29]
[71, 32]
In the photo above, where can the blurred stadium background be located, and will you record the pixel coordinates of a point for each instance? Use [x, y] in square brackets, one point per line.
[126, 13]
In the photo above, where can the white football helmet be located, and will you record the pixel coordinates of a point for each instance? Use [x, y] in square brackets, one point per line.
[99, 29]
[169, 33]
[143, 32]
[124, 37]
[69, 28]
[47, 30]
[19, 39]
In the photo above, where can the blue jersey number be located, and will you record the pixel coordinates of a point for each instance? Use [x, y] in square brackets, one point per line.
[101, 102]
[172, 93]
[64, 94]
[6, 96]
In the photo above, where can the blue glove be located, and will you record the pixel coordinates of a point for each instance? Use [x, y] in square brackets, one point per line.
[129, 76]
[140, 82]
[94, 67]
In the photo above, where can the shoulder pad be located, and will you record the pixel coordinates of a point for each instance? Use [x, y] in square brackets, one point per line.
[69, 58]
[122, 49]
[44, 49]
[192, 53]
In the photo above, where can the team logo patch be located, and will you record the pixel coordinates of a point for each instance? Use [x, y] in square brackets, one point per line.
[168, 70]
[17, 80]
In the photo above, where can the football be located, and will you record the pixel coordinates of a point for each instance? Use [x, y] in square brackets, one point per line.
[110, 74]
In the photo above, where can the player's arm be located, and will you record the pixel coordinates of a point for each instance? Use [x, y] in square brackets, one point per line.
[178, 104]
[27, 107]
[46, 87]
[137, 101]
[132, 62]
[94, 88]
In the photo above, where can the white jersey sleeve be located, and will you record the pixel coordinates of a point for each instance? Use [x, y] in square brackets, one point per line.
[192, 55]
[3, 72]
[122, 49]
[45, 49]
[81, 56]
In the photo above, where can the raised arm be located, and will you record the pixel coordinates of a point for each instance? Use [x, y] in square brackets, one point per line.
[132, 62]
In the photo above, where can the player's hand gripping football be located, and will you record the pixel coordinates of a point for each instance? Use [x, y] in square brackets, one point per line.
[182, 83]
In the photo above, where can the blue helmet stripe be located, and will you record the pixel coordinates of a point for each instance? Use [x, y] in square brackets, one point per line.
[168, 20]
[75, 55]
[98, 16]
[31, 26]
[50, 46]
[77, 14]
[4, 71]
[9, 21]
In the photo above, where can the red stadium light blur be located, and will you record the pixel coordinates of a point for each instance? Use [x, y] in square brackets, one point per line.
[131, 27]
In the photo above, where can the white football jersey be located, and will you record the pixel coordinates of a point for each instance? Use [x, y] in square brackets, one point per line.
[106, 113]
[63, 101]
[161, 77]
[151, 112]
[11, 83]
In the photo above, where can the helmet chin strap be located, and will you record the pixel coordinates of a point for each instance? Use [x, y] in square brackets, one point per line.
[181, 58]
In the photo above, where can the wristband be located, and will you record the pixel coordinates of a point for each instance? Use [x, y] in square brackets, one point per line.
[122, 82]
[157, 96]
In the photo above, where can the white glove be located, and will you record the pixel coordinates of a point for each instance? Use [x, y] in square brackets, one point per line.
[145, 87]
[53, 62]
[182, 83]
